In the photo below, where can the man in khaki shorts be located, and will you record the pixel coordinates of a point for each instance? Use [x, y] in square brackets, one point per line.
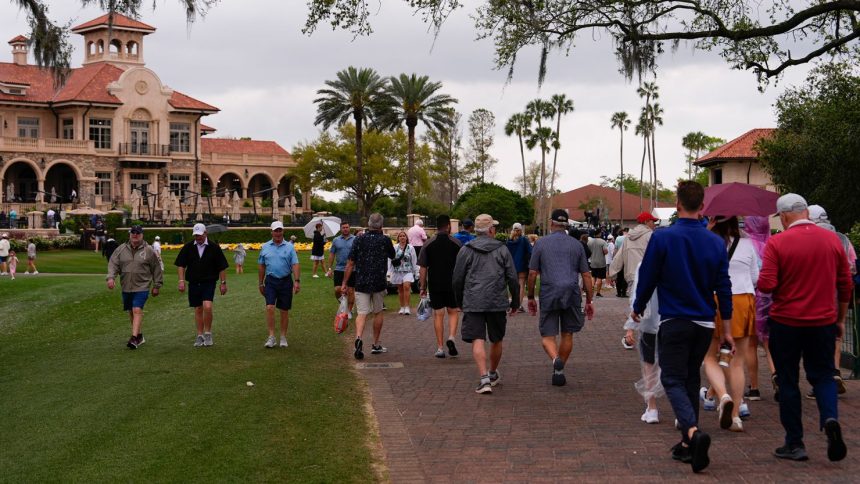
[368, 260]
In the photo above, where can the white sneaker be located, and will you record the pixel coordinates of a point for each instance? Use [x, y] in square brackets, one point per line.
[316, 276]
[35, 272]
[270, 342]
[400, 311]
[283, 342]
[406, 311]
[650, 416]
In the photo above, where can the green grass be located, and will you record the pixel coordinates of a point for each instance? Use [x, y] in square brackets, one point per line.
[76, 405]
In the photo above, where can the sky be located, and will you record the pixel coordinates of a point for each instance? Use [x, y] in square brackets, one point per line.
[251, 60]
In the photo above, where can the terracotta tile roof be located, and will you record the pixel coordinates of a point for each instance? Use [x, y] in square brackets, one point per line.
[204, 127]
[740, 148]
[119, 21]
[241, 147]
[89, 83]
[573, 199]
[181, 101]
[18, 39]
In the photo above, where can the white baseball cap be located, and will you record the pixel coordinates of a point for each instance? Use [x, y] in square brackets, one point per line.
[199, 229]
[790, 202]
[277, 224]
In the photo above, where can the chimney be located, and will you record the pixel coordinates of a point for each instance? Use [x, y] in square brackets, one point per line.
[19, 50]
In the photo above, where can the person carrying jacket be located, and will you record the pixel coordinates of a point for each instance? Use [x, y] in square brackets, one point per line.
[483, 271]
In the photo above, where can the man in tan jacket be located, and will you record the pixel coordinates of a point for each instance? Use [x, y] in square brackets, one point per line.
[629, 256]
[139, 268]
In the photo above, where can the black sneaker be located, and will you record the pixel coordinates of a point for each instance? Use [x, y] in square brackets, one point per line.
[752, 394]
[484, 386]
[558, 378]
[359, 355]
[681, 453]
[795, 452]
[699, 445]
[495, 379]
[132, 343]
[836, 450]
[377, 349]
[140, 339]
[810, 394]
[452, 348]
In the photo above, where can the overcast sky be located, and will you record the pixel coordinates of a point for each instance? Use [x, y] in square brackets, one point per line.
[252, 61]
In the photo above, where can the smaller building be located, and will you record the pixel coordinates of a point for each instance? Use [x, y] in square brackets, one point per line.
[606, 201]
[737, 161]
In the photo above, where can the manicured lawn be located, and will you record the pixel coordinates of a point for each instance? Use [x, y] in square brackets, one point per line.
[77, 405]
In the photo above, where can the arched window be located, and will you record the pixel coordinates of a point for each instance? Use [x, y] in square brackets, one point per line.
[131, 48]
[115, 46]
[100, 46]
[91, 48]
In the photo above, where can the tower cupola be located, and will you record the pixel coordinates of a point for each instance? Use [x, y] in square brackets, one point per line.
[114, 38]
[19, 50]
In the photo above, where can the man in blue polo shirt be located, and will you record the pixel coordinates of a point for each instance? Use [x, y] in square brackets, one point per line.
[340, 247]
[279, 279]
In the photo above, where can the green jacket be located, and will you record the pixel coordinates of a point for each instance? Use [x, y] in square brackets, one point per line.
[137, 268]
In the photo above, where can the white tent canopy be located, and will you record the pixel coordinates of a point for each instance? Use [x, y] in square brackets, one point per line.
[664, 214]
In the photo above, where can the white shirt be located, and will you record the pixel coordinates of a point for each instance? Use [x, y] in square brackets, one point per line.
[156, 247]
[201, 247]
[744, 267]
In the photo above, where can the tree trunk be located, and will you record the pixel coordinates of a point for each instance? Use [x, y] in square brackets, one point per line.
[523, 157]
[650, 176]
[555, 155]
[359, 166]
[410, 165]
[654, 161]
[621, 183]
[542, 191]
[642, 170]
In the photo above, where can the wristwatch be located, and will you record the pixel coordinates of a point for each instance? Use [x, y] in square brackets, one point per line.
[297, 281]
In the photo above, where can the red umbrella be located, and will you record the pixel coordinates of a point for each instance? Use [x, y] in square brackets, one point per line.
[729, 199]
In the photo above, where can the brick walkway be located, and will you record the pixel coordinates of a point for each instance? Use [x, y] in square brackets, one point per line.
[434, 427]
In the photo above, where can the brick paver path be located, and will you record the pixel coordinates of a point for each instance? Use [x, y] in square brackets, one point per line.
[434, 428]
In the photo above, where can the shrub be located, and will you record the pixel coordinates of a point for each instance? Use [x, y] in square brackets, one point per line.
[231, 236]
[63, 242]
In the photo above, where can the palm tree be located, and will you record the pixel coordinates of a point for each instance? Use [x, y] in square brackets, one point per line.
[561, 105]
[411, 99]
[650, 91]
[655, 114]
[643, 129]
[693, 142]
[355, 94]
[622, 122]
[538, 110]
[519, 123]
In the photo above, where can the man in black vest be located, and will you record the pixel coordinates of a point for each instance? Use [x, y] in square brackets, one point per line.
[200, 265]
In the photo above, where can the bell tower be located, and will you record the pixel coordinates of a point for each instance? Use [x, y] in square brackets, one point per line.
[116, 39]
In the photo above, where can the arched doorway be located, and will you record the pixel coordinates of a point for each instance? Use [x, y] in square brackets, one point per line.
[63, 179]
[285, 188]
[260, 183]
[205, 184]
[22, 179]
[227, 184]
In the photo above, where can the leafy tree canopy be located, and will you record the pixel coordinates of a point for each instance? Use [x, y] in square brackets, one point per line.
[632, 185]
[766, 38]
[506, 206]
[328, 163]
[815, 150]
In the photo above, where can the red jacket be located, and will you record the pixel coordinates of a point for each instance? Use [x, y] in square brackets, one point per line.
[806, 270]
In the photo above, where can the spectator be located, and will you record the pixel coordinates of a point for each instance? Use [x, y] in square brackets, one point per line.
[467, 233]
[100, 237]
[13, 264]
[318, 250]
[278, 274]
[521, 251]
[138, 269]
[339, 255]
[4, 253]
[31, 258]
[483, 271]
[404, 265]
[239, 258]
[110, 246]
[437, 262]
[628, 257]
[156, 246]
[597, 261]
[417, 235]
[369, 259]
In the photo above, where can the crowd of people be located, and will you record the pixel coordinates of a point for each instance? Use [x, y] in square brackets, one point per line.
[705, 293]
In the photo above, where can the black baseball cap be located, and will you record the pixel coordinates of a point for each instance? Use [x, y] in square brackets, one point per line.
[135, 229]
[559, 216]
[467, 222]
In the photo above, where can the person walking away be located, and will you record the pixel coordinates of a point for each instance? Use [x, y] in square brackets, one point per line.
[156, 246]
[318, 250]
[729, 384]
[805, 269]
[610, 253]
[467, 233]
[649, 386]
[278, 276]
[417, 235]
[621, 283]
[559, 261]
[686, 264]
[819, 216]
[629, 256]
[758, 230]
[31, 258]
[13, 264]
[437, 262]
[110, 246]
[521, 251]
[200, 264]
[239, 254]
[482, 273]
[4, 253]
[368, 259]
[138, 269]
[597, 261]
[339, 255]
[403, 268]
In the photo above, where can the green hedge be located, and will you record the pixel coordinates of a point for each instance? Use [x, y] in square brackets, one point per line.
[231, 236]
[62, 242]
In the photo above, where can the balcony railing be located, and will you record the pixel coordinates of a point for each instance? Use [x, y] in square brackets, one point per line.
[142, 149]
[46, 145]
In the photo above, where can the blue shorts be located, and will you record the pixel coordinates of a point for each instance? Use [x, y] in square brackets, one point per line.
[279, 292]
[3, 258]
[134, 300]
[199, 292]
